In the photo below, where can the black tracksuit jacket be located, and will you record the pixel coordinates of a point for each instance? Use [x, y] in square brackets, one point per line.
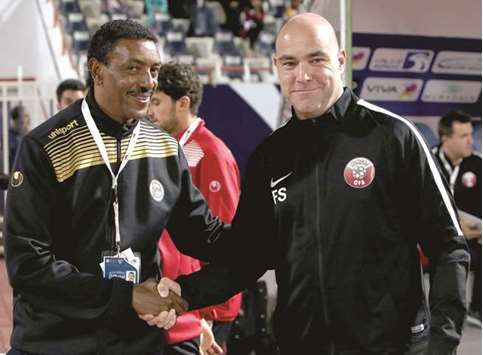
[467, 185]
[342, 236]
[59, 220]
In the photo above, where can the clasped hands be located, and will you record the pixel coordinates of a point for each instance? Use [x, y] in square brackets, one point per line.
[159, 303]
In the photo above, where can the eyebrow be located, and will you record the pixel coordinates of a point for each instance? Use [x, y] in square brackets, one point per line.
[318, 54]
[310, 55]
[140, 62]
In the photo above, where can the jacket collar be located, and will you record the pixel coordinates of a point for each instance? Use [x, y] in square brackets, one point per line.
[339, 112]
[105, 123]
[180, 134]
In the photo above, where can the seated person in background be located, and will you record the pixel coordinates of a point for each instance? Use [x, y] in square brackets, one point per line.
[69, 91]
[152, 7]
[20, 126]
[252, 21]
[462, 168]
[293, 9]
[215, 173]
[203, 21]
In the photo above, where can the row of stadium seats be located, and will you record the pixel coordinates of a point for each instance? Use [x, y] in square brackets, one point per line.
[221, 57]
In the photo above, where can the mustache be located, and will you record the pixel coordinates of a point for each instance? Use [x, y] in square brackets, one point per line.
[141, 91]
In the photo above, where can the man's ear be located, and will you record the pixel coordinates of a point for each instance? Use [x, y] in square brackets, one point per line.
[184, 103]
[96, 69]
[341, 59]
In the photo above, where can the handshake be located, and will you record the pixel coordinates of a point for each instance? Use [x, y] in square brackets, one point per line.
[158, 303]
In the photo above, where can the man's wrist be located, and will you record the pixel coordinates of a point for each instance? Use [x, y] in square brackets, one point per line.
[186, 292]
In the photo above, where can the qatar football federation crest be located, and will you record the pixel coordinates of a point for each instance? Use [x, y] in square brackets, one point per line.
[359, 173]
[469, 179]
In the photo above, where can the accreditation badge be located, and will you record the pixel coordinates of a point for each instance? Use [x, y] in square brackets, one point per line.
[124, 265]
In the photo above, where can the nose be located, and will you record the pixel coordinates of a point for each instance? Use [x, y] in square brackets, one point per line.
[303, 72]
[149, 81]
[150, 111]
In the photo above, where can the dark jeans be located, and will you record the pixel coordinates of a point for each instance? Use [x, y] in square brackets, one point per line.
[187, 347]
[221, 331]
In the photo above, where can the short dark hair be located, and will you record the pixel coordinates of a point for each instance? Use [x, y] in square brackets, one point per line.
[69, 84]
[17, 112]
[445, 126]
[106, 37]
[177, 80]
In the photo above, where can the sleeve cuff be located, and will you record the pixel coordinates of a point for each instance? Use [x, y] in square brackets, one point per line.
[120, 305]
[438, 346]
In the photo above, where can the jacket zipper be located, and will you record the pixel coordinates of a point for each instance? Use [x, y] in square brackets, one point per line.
[320, 254]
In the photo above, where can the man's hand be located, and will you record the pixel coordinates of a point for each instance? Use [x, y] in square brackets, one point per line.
[165, 285]
[166, 288]
[208, 345]
[471, 231]
[146, 300]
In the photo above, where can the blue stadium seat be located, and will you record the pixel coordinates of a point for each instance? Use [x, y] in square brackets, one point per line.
[233, 66]
[119, 16]
[265, 44]
[80, 41]
[225, 45]
[76, 22]
[277, 8]
[163, 24]
[428, 134]
[175, 44]
[68, 6]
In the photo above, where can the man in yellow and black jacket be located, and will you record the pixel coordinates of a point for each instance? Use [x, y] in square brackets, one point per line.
[61, 220]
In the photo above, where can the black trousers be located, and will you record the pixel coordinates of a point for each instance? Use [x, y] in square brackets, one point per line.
[475, 250]
[20, 352]
[187, 347]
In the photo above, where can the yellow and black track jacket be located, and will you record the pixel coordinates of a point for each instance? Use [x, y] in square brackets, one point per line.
[59, 220]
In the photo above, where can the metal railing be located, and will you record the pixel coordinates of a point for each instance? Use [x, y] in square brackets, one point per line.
[38, 100]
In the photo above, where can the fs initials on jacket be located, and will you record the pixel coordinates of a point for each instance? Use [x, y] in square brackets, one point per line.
[337, 206]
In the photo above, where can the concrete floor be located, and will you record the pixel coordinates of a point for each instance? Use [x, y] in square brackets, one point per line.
[471, 344]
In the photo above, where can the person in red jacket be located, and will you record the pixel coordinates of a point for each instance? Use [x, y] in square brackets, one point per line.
[215, 173]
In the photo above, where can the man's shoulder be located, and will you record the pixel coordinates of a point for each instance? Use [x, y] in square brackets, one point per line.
[382, 115]
[475, 156]
[63, 123]
[156, 139]
[210, 143]
[149, 129]
[473, 159]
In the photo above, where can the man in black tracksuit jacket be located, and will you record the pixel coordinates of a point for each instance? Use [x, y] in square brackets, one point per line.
[461, 166]
[336, 201]
[59, 215]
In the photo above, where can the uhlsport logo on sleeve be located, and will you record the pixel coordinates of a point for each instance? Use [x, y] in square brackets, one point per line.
[359, 173]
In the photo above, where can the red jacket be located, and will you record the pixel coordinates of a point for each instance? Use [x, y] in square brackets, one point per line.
[215, 172]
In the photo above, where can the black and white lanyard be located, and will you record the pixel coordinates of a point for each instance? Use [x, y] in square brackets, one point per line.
[453, 173]
[103, 151]
[187, 134]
